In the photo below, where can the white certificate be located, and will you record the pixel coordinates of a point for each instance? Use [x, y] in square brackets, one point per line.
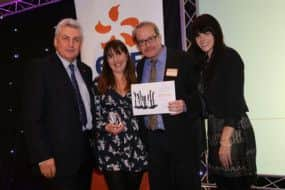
[152, 98]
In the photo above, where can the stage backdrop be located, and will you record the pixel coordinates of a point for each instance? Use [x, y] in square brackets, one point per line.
[256, 29]
[113, 19]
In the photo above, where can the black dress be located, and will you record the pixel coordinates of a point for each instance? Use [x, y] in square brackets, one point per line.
[225, 106]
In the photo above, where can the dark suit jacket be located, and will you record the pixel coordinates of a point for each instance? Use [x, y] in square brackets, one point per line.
[51, 117]
[183, 130]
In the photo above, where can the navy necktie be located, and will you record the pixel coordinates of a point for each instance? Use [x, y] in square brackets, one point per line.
[82, 112]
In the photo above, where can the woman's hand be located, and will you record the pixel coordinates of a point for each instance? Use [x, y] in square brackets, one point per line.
[226, 147]
[225, 154]
[114, 128]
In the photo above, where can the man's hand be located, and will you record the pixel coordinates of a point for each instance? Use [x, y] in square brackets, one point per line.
[48, 168]
[176, 107]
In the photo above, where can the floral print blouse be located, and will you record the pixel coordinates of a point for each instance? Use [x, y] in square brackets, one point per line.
[124, 151]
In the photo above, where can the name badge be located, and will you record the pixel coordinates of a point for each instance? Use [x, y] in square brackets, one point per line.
[171, 72]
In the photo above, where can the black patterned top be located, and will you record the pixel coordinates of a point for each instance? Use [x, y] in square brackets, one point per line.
[124, 151]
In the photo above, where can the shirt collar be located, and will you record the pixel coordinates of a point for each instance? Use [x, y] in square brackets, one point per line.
[161, 57]
[65, 62]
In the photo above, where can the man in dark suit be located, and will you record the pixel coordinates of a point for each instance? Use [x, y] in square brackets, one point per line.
[57, 112]
[173, 139]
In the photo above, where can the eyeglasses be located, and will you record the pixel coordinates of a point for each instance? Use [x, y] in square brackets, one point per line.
[149, 40]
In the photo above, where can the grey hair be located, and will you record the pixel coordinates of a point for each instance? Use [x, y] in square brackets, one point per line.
[143, 24]
[67, 22]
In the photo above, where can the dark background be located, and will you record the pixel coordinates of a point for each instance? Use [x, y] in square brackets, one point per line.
[23, 36]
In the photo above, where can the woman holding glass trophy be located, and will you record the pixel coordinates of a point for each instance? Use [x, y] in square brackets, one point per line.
[120, 151]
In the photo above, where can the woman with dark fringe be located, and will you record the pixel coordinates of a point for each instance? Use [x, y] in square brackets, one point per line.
[231, 141]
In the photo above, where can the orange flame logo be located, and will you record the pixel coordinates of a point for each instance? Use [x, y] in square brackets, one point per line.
[114, 16]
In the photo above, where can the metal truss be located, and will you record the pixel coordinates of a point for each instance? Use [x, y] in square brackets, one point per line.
[188, 11]
[271, 182]
[19, 6]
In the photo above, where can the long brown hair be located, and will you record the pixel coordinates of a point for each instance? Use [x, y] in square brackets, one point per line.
[107, 80]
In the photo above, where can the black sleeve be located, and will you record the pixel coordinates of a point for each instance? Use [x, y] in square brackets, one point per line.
[234, 101]
[189, 78]
[32, 112]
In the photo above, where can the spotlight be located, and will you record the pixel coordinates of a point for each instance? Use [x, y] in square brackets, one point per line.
[16, 56]
[12, 151]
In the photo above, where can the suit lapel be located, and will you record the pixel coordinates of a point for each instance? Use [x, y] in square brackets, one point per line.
[60, 73]
[170, 63]
[140, 68]
[84, 72]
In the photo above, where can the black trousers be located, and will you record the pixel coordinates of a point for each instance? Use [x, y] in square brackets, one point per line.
[81, 180]
[169, 170]
[119, 180]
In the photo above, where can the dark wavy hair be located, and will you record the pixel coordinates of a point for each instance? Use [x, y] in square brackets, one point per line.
[106, 79]
[202, 24]
[207, 23]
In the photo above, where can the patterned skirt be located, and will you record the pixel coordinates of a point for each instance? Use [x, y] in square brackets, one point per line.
[243, 150]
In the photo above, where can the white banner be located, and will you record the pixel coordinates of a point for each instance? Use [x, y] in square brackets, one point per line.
[113, 19]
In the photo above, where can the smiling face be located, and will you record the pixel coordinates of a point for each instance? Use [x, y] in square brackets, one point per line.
[117, 60]
[148, 42]
[68, 43]
[206, 42]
